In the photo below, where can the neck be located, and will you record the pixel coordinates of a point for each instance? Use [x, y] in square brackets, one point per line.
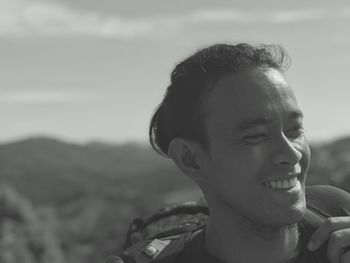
[233, 238]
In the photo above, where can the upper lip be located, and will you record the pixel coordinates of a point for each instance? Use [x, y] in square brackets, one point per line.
[283, 177]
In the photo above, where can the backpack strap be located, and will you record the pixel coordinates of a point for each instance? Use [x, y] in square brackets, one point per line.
[164, 249]
[314, 216]
[322, 202]
[179, 218]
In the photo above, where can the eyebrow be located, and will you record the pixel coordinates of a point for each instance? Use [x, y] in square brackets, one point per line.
[253, 122]
[296, 115]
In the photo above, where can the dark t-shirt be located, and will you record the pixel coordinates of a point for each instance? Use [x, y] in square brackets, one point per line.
[196, 252]
[329, 200]
[323, 201]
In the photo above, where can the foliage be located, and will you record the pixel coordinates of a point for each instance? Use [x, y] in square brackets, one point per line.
[26, 235]
[65, 203]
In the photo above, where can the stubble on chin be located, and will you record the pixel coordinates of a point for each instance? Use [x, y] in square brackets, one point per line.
[268, 232]
[271, 230]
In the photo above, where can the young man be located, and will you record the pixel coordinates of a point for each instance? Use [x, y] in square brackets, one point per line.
[230, 121]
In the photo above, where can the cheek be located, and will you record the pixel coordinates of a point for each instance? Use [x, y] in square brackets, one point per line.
[249, 162]
[240, 164]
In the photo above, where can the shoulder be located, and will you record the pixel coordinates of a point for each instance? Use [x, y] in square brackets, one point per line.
[165, 248]
[164, 235]
[332, 200]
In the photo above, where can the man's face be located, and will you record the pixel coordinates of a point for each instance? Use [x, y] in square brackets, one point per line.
[258, 155]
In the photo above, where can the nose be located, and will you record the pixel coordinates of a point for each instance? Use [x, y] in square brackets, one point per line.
[287, 152]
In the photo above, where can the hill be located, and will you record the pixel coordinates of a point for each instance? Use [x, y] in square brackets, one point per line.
[330, 164]
[93, 191]
[48, 171]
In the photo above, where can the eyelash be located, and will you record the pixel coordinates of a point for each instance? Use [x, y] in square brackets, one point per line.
[293, 133]
[254, 138]
[296, 132]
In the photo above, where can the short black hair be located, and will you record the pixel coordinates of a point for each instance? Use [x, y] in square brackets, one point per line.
[180, 113]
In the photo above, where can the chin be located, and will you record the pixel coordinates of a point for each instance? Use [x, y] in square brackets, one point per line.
[291, 216]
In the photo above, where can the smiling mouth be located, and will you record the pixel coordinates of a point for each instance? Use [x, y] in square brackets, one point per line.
[282, 184]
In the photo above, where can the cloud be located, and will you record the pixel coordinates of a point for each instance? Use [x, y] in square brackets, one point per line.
[47, 18]
[223, 15]
[297, 16]
[253, 16]
[38, 18]
[344, 12]
[45, 97]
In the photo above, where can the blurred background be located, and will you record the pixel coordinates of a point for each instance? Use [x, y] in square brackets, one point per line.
[79, 80]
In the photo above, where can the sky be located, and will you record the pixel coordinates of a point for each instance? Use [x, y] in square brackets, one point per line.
[87, 70]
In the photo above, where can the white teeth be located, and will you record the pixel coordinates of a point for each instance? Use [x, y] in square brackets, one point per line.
[285, 184]
[291, 182]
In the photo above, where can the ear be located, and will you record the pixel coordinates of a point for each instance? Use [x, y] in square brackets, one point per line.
[186, 155]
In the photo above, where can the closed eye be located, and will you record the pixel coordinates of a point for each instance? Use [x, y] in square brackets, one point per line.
[295, 132]
[254, 138]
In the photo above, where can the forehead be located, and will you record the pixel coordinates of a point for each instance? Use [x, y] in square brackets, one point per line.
[261, 93]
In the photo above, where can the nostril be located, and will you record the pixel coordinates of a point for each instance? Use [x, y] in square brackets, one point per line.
[287, 154]
[284, 163]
